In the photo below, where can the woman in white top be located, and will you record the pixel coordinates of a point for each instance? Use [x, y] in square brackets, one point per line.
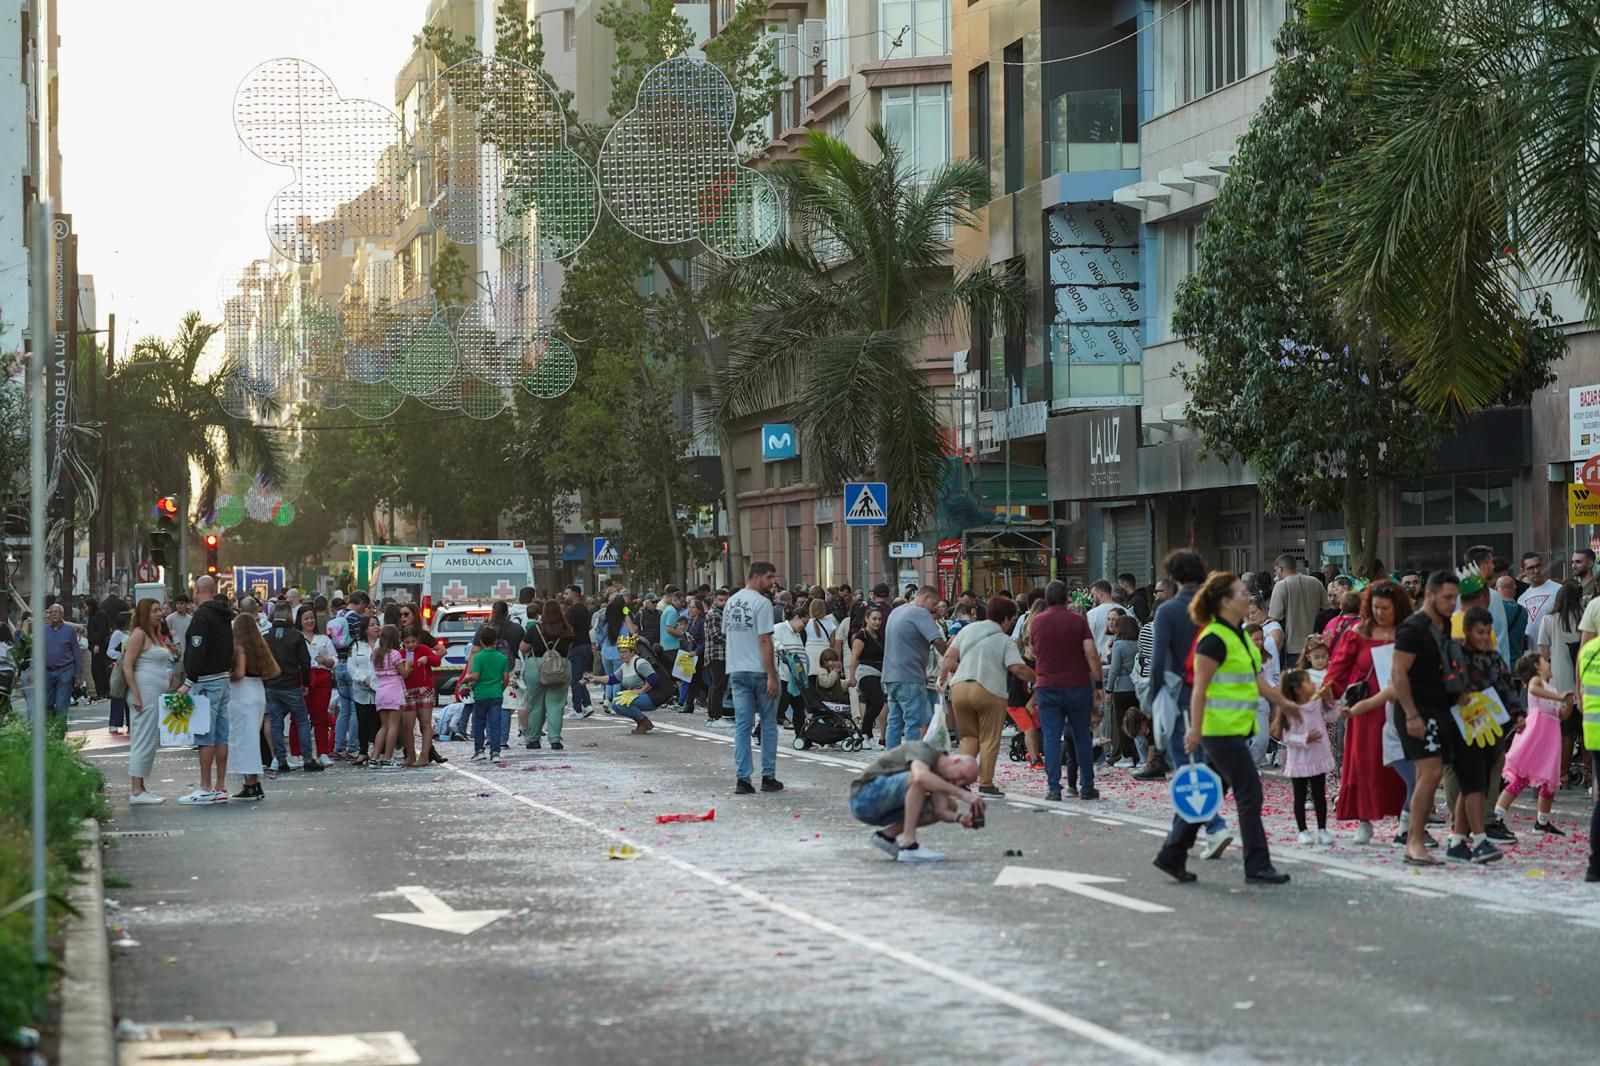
[1558, 636]
[979, 658]
[146, 664]
[821, 633]
[788, 636]
[114, 649]
[324, 657]
[253, 663]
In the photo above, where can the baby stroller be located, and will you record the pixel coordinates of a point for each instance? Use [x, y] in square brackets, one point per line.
[826, 724]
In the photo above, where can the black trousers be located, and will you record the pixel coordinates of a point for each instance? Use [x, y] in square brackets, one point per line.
[1229, 757]
[1318, 787]
[716, 675]
[872, 700]
[366, 724]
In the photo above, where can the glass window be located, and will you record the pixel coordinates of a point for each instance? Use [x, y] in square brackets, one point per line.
[1011, 105]
[1083, 132]
[1204, 45]
[824, 555]
[926, 26]
[1425, 553]
[1471, 498]
[917, 119]
[1499, 498]
[1438, 499]
[796, 574]
[1411, 503]
[1180, 256]
[978, 114]
[569, 30]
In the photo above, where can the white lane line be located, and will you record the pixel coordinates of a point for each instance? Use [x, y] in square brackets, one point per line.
[1499, 908]
[1154, 833]
[1130, 1049]
[1107, 821]
[1426, 893]
[1587, 923]
[1348, 875]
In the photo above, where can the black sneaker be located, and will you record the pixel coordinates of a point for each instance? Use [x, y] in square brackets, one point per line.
[1072, 790]
[990, 790]
[1269, 876]
[1177, 873]
[1496, 831]
[285, 768]
[1461, 852]
[556, 745]
[743, 787]
[1592, 874]
[459, 737]
[1486, 852]
[532, 745]
[312, 766]
[1543, 827]
[771, 784]
[1054, 797]
[1090, 794]
[250, 792]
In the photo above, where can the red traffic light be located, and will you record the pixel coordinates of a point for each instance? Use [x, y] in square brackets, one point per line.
[212, 540]
[168, 506]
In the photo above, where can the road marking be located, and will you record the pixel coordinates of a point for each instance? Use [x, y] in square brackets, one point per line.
[1426, 893]
[1154, 833]
[1078, 885]
[1127, 1047]
[123, 834]
[434, 913]
[1502, 909]
[1587, 923]
[1107, 821]
[1348, 875]
[355, 1049]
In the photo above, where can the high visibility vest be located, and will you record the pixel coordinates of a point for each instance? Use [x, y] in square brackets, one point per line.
[1589, 678]
[1232, 696]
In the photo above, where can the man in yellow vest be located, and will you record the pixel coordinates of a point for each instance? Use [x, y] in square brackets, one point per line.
[1589, 679]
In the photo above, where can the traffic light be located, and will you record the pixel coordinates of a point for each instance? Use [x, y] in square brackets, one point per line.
[161, 537]
[213, 542]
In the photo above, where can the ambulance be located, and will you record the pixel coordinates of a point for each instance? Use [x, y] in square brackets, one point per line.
[474, 571]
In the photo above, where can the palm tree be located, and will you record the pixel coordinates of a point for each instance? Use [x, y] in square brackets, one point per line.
[837, 320]
[171, 420]
[1478, 170]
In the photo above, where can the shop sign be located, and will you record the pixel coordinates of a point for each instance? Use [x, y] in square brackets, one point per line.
[1583, 506]
[1583, 422]
[1093, 454]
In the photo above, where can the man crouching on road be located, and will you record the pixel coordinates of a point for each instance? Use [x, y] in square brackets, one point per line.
[913, 785]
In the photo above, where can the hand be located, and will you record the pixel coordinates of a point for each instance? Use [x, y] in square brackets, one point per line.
[1313, 736]
[1191, 740]
[965, 821]
[975, 806]
[1416, 728]
[772, 687]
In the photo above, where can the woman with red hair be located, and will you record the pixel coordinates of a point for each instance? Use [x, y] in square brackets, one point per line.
[1369, 789]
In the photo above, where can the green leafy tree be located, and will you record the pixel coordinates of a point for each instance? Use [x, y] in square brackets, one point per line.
[1317, 402]
[1476, 170]
[839, 320]
[13, 462]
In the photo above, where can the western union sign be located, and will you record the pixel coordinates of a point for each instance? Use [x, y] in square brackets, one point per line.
[1583, 506]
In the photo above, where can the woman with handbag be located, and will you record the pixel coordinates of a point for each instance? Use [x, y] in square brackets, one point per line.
[146, 671]
[1369, 790]
[116, 644]
[547, 675]
[253, 662]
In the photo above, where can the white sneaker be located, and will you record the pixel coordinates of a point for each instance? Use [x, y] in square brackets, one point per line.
[218, 796]
[1364, 833]
[196, 798]
[1125, 764]
[296, 761]
[324, 760]
[1324, 837]
[1216, 845]
[144, 799]
[1305, 837]
[918, 853]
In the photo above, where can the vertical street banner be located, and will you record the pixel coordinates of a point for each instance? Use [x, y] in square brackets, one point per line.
[59, 360]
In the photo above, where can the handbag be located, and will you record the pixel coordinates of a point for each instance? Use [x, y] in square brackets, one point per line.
[119, 682]
[515, 696]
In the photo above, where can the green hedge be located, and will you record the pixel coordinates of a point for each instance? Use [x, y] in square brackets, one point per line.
[74, 790]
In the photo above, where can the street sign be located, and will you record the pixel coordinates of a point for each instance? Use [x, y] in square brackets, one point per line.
[866, 503]
[605, 552]
[1589, 473]
[147, 572]
[1583, 506]
[1079, 885]
[779, 441]
[1196, 792]
[905, 549]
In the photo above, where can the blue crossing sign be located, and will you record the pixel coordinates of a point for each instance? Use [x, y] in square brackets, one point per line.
[605, 552]
[866, 503]
[1196, 792]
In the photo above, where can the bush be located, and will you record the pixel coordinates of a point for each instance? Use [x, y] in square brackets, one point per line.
[73, 792]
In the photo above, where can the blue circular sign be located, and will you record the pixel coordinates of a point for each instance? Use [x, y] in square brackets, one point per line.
[1196, 792]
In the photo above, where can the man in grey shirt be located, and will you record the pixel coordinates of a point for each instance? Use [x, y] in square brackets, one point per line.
[1296, 599]
[908, 635]
[915, 784]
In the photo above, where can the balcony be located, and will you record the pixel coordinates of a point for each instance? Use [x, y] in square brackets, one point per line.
[1084, 133]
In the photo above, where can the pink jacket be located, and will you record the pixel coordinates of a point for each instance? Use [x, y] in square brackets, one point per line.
[1302, 757]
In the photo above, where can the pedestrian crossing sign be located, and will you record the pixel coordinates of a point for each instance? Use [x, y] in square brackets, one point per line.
[605, 552]
[866, 503]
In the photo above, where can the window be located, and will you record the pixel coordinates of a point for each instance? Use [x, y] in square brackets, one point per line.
[1204, 45]
[836, 61]
[1441, 517]
[978, 114]
[796, 572]
[1012, 132]
[1179, 258]
[824, 574]
[917, 120]
[569, 30]
[926, 24]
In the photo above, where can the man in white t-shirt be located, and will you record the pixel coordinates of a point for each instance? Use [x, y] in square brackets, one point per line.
[753, 676]
[1539, 596]
[1100, 592]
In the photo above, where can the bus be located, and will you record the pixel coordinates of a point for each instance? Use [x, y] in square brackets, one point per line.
[474, 571]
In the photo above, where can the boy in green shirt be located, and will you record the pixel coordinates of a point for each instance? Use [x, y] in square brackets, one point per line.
[486, 672]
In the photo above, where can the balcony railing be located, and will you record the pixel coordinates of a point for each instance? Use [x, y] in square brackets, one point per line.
[1084, 132]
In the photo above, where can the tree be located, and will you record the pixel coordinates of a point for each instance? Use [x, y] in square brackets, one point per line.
[838, 320]
[1476, 170]
[13, 462]
[1315, 400]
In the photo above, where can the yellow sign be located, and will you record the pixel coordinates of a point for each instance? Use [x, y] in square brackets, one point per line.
[1583, 506]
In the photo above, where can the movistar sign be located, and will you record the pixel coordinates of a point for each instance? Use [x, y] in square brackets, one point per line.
[779, 441]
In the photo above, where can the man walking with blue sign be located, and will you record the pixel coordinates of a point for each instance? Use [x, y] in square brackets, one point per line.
[1222, 715]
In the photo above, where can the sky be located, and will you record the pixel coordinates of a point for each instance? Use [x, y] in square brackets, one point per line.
[164, 198]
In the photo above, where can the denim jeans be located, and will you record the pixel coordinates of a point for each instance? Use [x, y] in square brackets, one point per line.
[346, 731]
[288, 701]
[58, 688]
[750, 699]
[1178, 757]
[487, 715]
[611, 662]
[910, 711]
[636, 709]
[1060, 710]
[581, 657]
[216, 692]
[1230, 757]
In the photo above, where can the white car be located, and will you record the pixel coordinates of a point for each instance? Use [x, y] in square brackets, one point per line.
[453, 628]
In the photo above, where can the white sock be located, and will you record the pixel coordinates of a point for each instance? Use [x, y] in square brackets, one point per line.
[1457, 838]
[1479, 838]
[1499, 812]
[1405, 821]
[1543, 818]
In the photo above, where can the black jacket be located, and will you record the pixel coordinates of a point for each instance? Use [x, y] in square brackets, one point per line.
[289, 647]
[208, 646]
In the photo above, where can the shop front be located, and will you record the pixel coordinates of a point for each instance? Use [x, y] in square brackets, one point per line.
[1094, 490]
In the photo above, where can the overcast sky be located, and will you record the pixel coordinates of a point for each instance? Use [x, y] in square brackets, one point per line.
[165, 199]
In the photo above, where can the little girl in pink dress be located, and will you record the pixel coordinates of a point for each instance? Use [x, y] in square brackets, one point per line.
[1535, 755]
[1308, 757]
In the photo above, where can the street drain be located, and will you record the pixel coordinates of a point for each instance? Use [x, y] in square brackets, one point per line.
[350, 1049]
[126, 834]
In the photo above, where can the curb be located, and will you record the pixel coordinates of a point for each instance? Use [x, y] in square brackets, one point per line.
[86, 1033]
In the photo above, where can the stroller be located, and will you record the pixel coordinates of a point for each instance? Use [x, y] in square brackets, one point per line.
[826, 724]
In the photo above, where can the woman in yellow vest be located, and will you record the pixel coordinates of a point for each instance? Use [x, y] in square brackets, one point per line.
[1222, 716]
[1589, 682]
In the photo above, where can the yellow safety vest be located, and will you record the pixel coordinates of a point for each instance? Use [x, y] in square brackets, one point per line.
[1232, 696]
[1589, 678]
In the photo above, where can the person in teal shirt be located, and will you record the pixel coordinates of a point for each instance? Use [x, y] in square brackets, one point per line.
[486, 673]
[674, 624]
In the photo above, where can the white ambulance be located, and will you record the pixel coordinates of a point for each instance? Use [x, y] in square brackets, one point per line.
[474, 571]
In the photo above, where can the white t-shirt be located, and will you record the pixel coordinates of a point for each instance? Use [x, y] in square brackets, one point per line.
[321, 647]
[1537, 601]
[986, 652]
[1097, 622]
[746, 617]
[114, 646]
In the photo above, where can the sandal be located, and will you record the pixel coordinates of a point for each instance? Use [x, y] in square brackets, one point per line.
[1426, 860]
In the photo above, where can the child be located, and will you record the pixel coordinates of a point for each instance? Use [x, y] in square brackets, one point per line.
[389, 674]
[830, 678]
[487, 675]
[1314, 657]
[1307, 756]
[1023, 710]
[1069, 754]
[1136, 727]
[1471, 766]
[1119, 684]
[1262, 746]
[1535, 755]
[452, 720]
[420, 699]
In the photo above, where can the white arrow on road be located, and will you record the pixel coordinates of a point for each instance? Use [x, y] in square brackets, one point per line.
[434, 913]
[1079, 885]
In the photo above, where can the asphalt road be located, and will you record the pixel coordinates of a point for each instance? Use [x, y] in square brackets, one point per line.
[774, 934]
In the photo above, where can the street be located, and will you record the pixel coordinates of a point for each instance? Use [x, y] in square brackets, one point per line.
[773, 933]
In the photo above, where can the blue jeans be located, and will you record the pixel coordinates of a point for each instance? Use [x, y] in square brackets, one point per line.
[611, 661]
[346, 732]
[637, 709]
[882, 801]
[750, 699]
[1178, 757]
[910, 711]
[488, 715]
[58, 688]
[288, 701]
[216, 693]
[1061, 709]
[581, 656]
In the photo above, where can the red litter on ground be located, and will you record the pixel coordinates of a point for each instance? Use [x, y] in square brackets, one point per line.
[709, 816]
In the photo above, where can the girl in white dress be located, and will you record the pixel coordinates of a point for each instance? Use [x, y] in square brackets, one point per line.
[146, 663]
[247, 700]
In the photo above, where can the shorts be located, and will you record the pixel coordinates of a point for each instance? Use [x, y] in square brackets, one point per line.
[1434, 742]
[1471, 765]
[1023, 718]
[419, 700]
[882, 801]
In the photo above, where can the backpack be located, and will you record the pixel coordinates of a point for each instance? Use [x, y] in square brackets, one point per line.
[554, 669]
[338, 630]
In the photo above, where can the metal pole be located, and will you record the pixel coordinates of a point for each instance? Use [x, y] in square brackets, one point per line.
[107, 502]
[39, 336]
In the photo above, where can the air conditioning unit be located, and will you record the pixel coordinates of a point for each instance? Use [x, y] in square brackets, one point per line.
[813, 40]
